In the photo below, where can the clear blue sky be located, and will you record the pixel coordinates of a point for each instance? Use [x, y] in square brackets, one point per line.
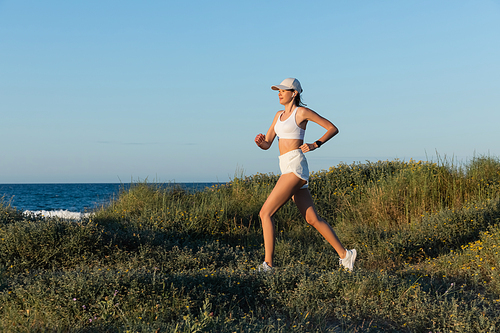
[110, 91]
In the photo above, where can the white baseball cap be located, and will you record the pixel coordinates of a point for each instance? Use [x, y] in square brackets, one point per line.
[289, 84]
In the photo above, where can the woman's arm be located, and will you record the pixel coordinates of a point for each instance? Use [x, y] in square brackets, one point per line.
[265, 142]
[306, 114]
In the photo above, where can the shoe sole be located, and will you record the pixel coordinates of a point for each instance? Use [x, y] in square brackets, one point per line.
[355, 254]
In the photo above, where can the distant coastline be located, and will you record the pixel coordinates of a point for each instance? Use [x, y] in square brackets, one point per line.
[73, 197]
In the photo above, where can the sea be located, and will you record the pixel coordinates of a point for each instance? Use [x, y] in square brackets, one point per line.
[71, 201]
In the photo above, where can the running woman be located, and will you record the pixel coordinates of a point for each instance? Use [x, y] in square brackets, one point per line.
[289, 126]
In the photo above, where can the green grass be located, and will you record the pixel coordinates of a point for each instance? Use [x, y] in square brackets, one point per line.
[156, 260]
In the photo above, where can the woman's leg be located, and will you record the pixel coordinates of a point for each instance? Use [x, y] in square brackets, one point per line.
[285, 187]
[305, 204]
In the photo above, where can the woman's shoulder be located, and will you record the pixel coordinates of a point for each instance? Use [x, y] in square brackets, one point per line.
[302, 110]
[276, 116]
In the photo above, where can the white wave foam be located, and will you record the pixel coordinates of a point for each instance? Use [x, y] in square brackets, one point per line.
[64, 214]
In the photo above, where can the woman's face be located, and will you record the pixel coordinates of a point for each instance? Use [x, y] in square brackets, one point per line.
[285, 96]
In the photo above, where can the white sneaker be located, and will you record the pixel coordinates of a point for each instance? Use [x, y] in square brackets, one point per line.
[265, 268]
[348, 261]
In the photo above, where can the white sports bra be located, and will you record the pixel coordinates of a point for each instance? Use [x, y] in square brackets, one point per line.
[289, 129]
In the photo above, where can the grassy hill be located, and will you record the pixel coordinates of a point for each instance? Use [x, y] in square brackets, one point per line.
[156, 260]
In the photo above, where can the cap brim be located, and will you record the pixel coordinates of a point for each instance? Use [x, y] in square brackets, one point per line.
[279, 86]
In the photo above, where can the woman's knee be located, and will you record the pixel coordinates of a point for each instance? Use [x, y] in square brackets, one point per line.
[314, 220]
[264, 214]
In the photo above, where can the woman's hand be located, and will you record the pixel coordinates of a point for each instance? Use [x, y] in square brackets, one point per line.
[260, 139]
[308, 147]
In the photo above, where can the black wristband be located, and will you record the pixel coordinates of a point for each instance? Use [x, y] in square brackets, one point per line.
[319, 143]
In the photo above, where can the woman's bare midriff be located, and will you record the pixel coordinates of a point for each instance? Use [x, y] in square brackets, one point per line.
[287, 145]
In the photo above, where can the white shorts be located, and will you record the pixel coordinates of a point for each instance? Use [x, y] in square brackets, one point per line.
[295, 162]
